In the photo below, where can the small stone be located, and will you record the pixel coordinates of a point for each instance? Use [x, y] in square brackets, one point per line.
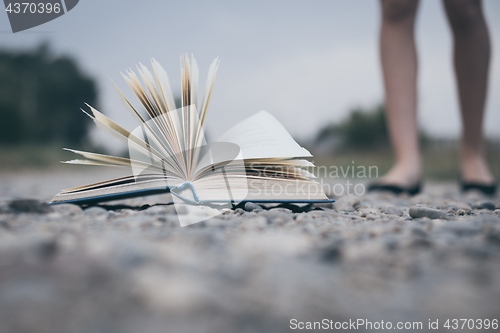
[484, 205]
[303, 217]
[47, 248]
[345, 204]
[478, 251]
[461, 228]
[253, 223]
[29, 206]
[281, 209]
[419, 232]
[452, 204]
[493, 237]
[67, 209]
[95, 211]
[438, 222]
[277, 216]
[181, 209]
[250, 206]
[483, 212]
[332, 252]
[419, 212]
[127, 211]
[239, 211]
[393, 211]
[391, 243]
[497, 211]
[365, 204]
[488, 219]
[160, 210]
[367, 211]
[418, 242]
[112, 214]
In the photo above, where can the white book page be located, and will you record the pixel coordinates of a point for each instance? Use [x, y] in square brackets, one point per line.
[263, 136]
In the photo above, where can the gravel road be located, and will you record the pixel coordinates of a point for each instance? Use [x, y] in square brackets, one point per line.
[134, 269]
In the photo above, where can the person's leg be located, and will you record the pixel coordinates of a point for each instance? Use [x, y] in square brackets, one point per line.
[471, 57]
[399, 67]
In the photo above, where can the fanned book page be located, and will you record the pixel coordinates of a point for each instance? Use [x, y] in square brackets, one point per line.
[262, 136]
[256, 160]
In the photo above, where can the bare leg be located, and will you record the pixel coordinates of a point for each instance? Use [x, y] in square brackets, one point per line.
[399, 67]
[471, 57]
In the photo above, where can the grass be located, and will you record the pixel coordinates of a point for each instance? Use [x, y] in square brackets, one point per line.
[32, 156]
[440, 161]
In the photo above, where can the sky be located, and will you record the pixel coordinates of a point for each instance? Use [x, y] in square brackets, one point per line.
[306, 62]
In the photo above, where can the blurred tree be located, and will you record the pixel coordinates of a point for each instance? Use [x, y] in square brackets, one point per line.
[362, 129]
[40, 98]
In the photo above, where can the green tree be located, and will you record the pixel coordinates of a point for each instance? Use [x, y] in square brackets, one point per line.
[40, 98]
[362, 129]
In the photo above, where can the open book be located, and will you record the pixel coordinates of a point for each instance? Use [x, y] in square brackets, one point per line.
[257, 160]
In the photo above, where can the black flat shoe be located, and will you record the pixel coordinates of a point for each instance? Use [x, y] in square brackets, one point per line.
[396, 189]
[487, 189]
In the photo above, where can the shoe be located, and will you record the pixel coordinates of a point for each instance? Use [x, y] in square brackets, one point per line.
[486, 189]
[396, 189]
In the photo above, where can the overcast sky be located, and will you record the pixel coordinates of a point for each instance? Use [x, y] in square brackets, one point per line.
[306, 62]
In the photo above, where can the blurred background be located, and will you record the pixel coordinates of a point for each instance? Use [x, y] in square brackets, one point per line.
[312, 64]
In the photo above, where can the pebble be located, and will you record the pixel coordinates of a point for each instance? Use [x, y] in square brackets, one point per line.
[393, 211]
[95, 211]
[239, 211]
[365, 211]
[67, 209]
[181, 209]
[419, 242]
[277, 216]
[497, 211]
[345, 204]
[47, 248]
[250, 206]
[253, 223]
[419, 232]
[358, 205]
[455, 205]
[478, 251]
[484, 205]
[390, 242]
[160, 210]
[419, 212]
[461, 228]
[332, 252]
